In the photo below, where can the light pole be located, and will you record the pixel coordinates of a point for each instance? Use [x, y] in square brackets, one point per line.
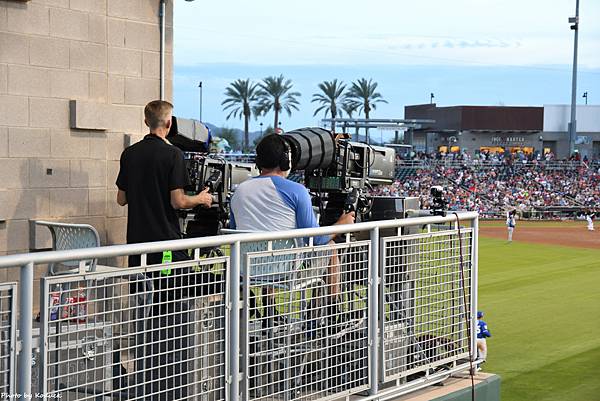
[585, 96]
[162, 7]
[261, 124]
[573, 123]
[200, 86]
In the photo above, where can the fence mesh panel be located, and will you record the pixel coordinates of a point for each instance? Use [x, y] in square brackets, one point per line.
[154, 333]
[7, 337]
[424, 327]
[306, 322]
[304, 331]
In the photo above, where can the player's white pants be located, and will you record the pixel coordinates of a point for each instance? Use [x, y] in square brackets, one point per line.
[590, 225]
[510, 233]
[481, 349]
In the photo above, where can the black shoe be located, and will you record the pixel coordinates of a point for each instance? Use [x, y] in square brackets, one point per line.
[334, 317]
[272, 318]
[254, 312]
[333, 310]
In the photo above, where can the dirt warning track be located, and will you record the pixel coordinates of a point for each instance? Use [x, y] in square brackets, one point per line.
[578, 237]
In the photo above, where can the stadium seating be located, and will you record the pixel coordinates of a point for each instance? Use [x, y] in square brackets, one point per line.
[493, 187]
[405, 173]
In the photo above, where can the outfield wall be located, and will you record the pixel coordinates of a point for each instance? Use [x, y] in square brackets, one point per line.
[458, 388]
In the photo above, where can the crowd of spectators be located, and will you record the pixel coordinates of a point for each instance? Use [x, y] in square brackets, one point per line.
[494, 189]
[530, 187]
[419, 185]
[505, 158]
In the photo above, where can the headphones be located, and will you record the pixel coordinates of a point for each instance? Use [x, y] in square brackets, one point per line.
[284, 161]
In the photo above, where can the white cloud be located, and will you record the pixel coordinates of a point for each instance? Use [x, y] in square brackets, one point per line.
[471, 32]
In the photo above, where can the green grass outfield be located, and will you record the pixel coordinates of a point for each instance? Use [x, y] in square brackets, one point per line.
[542, 306]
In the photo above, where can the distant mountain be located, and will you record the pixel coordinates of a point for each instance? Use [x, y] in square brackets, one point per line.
[216, 131]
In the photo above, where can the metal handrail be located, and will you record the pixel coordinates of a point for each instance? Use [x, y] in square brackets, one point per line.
[552, 164]
[150, 247]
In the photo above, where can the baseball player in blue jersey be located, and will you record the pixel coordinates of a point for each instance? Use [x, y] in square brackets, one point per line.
[482, 334]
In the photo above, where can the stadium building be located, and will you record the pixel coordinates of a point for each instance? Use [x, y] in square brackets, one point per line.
[74, 79]
[474, 129]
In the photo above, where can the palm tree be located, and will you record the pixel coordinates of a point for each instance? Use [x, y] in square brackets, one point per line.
[241, 96]
[331, 96]
[274, 94]
[349, 107]
[363, 92]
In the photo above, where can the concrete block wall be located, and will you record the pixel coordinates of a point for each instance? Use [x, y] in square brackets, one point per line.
[102, 54]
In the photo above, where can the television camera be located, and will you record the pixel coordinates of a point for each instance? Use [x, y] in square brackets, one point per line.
[338, 172]
[439, 204]
[221, 177]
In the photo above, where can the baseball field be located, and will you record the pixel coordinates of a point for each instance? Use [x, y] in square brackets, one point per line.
[541, 298]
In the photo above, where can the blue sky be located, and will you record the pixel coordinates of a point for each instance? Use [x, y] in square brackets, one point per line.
[485, 52]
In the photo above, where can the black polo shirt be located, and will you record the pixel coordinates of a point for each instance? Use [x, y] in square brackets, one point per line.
[150, 170]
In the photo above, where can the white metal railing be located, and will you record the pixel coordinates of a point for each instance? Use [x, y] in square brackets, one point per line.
[483, 164]
[135, 333]
[423, 321]
[412, 163]
[8, 320]
[265, 321]
[238, 157]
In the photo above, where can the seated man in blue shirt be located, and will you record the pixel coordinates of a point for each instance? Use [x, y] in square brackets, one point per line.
[271, 202]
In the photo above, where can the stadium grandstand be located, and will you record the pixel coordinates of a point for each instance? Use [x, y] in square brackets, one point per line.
[490, 184]
[540, 188]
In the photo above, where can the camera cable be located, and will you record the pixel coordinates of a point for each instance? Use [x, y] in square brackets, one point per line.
[465, 305]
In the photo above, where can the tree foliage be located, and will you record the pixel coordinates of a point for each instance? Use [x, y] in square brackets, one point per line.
[330, 99]
[365, 94]
[232, 137]
[269, 130]
[275, 94]
[240, 99]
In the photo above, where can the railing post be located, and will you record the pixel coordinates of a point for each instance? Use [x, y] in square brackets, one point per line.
[474, 273]
[234, 323]
[373, 308]
[25, 329]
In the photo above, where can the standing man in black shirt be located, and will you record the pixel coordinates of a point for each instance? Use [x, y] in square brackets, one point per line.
[151, 180]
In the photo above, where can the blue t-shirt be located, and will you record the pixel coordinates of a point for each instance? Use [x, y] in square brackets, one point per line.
[482, 329]
[273, 203]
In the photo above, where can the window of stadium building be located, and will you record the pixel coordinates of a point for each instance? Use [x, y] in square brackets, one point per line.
[492, 149]
[453, 149]
[525, 149]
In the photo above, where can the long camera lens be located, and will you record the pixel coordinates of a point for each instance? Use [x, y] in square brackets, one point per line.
[312, 148]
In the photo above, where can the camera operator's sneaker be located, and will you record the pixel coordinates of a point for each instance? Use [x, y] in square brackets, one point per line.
[272, 319]
[337, 319]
